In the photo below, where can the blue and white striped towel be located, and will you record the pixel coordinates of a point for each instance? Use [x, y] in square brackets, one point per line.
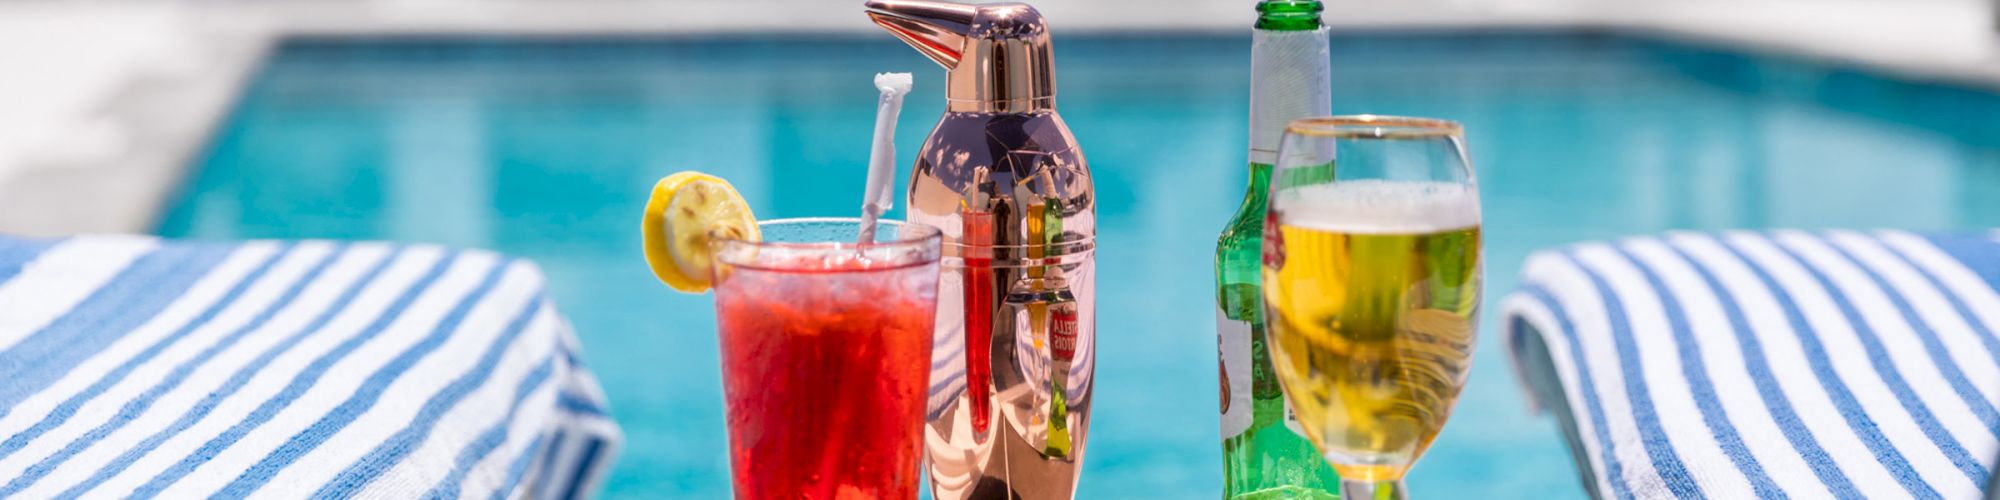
[139, 367]
[1781, 364]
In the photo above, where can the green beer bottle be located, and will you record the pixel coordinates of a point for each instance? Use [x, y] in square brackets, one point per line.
[1264, 454]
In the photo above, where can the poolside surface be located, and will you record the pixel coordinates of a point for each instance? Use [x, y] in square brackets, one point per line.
[546, 149]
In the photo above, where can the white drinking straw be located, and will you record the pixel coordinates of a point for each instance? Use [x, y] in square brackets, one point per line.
[882, 157]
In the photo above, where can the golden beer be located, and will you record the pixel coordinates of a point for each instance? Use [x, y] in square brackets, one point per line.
[1372, 288]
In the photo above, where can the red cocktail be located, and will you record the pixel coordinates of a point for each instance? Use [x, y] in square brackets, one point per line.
[826, 350]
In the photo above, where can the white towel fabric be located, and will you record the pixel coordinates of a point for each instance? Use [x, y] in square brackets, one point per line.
[141, 367]
[1780, 364]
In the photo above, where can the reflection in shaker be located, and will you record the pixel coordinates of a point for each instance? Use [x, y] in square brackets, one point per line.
[1038, 308]
[1005, 181]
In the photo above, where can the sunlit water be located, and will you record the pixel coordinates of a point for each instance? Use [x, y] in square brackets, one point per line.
[547, 149]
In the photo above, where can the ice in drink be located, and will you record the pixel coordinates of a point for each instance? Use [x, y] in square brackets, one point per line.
[826, 363]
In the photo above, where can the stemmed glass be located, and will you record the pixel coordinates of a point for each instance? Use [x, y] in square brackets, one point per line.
[1372, 282]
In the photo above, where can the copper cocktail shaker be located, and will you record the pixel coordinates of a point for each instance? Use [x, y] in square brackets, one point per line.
[1003, 179]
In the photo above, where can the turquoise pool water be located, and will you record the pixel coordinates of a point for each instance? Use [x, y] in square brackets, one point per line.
[547, 148]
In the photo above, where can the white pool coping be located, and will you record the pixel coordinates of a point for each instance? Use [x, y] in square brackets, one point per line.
[108, 104]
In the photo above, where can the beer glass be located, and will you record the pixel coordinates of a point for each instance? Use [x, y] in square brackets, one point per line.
[1371, 287]
[826, 355]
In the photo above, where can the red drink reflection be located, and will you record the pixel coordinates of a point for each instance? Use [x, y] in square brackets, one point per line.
[826, 364]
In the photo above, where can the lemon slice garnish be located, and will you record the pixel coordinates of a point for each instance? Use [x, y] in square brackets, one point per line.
[689, 210]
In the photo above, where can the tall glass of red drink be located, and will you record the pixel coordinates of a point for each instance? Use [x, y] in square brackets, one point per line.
[826, 350]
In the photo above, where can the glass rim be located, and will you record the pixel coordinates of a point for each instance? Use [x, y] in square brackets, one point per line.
[1375, 127]
[908, 235]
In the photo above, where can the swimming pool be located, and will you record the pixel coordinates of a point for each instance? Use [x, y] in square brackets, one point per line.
[547, 149]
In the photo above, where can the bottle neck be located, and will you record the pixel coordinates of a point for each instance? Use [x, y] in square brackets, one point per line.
[1290, 78]
[1260, 182]
[1289, 15]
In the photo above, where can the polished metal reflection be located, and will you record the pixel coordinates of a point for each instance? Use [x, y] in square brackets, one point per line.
[997, 55]
[1001, 175]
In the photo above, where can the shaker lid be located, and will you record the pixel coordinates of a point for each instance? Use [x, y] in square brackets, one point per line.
[997, 55]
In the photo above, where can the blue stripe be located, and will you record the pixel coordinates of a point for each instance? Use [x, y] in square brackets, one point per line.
[138, 405]
[1647, 419]
[946, 358]
[1878, 358]
[579, 404]
[519, 467]
[101, 305]
[15, 254]
[1978, 253]
[134, 296]
[1612, 469]
[363, 398]
[1934, 345]
[298, 386]
[947, 392]
[570, 356]
[1695, 369]
[545, 471]
[1843, 399]
[592, 452]
[1985, 335]
[235, 382]
[948, 379]
[487, 441]
[1766, 382]
[392, 450]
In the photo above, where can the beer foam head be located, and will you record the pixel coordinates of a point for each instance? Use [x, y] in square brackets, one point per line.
[1379, 206]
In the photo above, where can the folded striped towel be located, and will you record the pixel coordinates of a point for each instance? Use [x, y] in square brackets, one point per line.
[1782, 364]
[140, 367]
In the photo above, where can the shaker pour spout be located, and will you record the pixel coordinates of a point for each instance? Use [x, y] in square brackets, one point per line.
[936, 29]
[997, 54]
[1017, 425]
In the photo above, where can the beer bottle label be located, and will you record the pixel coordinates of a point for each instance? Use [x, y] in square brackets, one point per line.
[1233, 351]
[1062, 331]
[1292, 419]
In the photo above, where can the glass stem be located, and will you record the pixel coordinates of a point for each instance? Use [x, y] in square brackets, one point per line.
[1373, 490]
